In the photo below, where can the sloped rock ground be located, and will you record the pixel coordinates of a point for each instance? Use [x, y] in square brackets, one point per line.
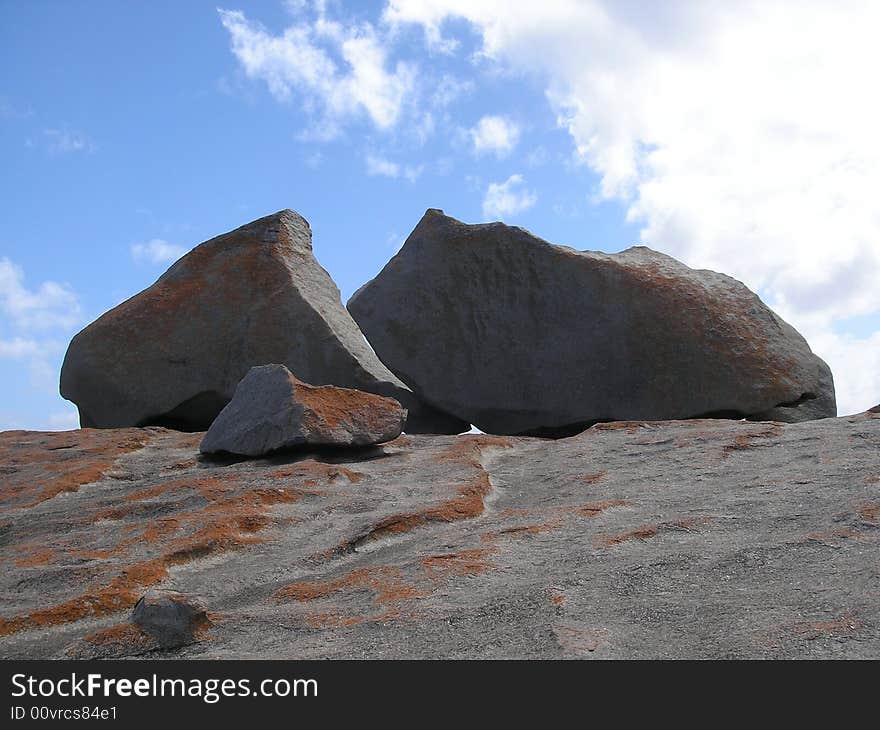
[702, 538]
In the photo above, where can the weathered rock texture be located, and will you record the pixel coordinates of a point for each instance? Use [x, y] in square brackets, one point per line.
[517, 335]
[170, 619]
[272, 410]
[701, 538]
[173, 354]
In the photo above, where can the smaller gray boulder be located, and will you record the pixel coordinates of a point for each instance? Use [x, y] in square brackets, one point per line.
[273, 410]
[169, 618]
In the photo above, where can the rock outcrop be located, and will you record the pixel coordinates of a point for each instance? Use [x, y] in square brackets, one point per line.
[173, 354]
[272, 411]
[696, 539]
[517, 335]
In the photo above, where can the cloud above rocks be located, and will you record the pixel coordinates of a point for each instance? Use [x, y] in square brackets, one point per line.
[35, 324]
[50, 306]
[338, 71]
[156, 252]
[503, 200]
[496, 134]
[382, 167]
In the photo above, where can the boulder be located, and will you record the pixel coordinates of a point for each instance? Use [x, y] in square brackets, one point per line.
[272, 410]
[170, 619]
[173, 354]
[516, 335]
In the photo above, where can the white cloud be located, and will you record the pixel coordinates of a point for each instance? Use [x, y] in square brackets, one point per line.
[495, 134]
[449, 89]
[156, 251]
[379, 166]
[51, 305]
[63, 420]
[337, 71]
[507, 198]
[64, 141]
[19, 347]
[34, 326]
[741, 136]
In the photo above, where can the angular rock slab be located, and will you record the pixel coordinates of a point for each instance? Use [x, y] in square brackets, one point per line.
[173, 354]
[517, 335]
[272, 410]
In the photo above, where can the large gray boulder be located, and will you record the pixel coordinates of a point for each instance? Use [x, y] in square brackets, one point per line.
[517, 335]
[272, 410]
[173, 354]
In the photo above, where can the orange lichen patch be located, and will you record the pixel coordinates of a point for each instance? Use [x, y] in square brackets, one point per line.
[35, 555]
[645, 532]
[870, 512]
[594, 509]
[579, 639]
[640, 533]
[628, 426]
[749, 440]
[839, 534]
[390, 592]
[468, 503]
[468, 449]
[465, 562]
[556, 597]
[327, 404]
[48, 464]
[593, 478]
[385, 582]
[315, 472]
[129, 637]
[846, 625]
[536, 529]
[224, 523]
[121, 593]
[338, 621]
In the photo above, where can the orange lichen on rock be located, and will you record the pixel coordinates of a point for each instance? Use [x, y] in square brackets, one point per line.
[34, 555]
[646, 532]
[316, 472]
[535, 529]
[846, 625]
[464, 562]
[468, 503]
[334, 406]
[594, 509]
[628, 426]
[579, 639]
[65, 461]
[869, 512]
[224, 523]
[750, 439]
[840, 533]
[126, 636]
[390, 591]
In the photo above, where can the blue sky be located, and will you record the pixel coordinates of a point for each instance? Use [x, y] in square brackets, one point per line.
[131, 132]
